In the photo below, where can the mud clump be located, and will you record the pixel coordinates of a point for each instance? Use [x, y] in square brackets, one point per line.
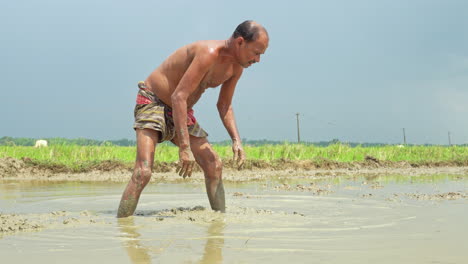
[192, 214]
[438, 197]
[12, 223]
[316, 190]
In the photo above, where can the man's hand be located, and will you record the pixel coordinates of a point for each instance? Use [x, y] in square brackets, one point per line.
[186, 162]
[239, 154]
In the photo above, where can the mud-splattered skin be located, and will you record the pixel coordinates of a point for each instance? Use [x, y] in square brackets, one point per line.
[132, 193]
[184, 76]
[141, 173]
[218, 201]
[179, 82]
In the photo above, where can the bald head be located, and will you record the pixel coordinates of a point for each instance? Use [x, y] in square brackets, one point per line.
[249, 30]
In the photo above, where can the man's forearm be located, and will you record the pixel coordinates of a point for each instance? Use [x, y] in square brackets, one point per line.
[229, 123]
[179, 112]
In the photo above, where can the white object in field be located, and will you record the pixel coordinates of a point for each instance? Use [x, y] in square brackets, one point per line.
[40, 143]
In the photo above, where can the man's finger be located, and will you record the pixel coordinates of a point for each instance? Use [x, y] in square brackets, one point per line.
[241, 160]
[236, 155]
[182, 169]
[240, 163]
[186, 173]
[191, 170]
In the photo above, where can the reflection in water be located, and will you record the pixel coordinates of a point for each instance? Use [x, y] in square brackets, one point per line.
[214, 243]
[139, 253]
[136, 252]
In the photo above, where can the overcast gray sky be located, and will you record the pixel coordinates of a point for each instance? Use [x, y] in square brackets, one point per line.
[355, 70]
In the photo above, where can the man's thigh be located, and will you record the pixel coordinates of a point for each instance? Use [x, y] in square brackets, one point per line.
[201, 149]
[147, 139]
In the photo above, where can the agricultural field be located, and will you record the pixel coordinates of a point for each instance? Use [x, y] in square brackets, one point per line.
[79, 157]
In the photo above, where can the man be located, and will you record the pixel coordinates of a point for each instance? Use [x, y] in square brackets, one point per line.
[164, 109]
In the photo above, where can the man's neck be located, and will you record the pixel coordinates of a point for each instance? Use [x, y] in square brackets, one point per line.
[228, 50]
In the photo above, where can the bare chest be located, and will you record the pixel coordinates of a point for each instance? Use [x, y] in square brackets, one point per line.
[217, 75]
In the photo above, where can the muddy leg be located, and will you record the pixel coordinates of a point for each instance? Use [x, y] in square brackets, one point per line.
[212, 167]
[215, 191]
[146, 144]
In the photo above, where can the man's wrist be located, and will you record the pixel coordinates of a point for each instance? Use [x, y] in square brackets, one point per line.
[184, 147]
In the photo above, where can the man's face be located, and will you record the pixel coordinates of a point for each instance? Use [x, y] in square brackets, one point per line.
[249, 52]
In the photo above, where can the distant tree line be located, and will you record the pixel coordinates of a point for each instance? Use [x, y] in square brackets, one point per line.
[10, 141]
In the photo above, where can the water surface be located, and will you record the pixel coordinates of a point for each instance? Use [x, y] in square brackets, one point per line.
[381, 219]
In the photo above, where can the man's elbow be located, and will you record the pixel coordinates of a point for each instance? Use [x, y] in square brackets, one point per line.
[177, 98]
[222, 108]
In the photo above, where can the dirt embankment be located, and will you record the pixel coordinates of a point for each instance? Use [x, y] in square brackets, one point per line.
[28, 169]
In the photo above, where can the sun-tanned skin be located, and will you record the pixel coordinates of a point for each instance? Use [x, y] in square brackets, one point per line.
[179, 82]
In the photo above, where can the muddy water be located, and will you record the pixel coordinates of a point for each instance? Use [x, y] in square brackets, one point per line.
[381, 219]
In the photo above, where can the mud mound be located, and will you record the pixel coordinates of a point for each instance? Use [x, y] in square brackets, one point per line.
[282, 164]
[109, 165]
[11, 166]
[168, 166]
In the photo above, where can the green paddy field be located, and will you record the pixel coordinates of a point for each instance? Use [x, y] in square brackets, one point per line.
[78, 158]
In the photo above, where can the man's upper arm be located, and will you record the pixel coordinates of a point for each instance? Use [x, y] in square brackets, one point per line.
[227, 90]
[194, 74]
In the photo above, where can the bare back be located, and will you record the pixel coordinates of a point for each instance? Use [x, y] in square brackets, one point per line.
[164, 80]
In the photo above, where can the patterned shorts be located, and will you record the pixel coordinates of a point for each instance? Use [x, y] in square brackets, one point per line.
[157, 116]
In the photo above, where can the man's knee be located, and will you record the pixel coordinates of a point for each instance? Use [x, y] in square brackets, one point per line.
[213, 164]
[218, 164]
[142, 174]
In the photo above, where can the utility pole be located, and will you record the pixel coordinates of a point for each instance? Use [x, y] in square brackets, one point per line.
[404, 137]
[298, 132]
[450, 140]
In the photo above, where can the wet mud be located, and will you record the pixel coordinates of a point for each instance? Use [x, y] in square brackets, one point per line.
[341, 215]
[438, 196]
[27, 168]
[16, 223]
[111, 171]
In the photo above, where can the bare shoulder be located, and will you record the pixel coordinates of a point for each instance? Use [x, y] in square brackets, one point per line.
[207, 49]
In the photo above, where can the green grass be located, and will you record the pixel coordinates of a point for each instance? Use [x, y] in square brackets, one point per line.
[76, 156]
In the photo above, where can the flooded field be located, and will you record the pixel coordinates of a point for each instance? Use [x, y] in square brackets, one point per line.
[346, 219]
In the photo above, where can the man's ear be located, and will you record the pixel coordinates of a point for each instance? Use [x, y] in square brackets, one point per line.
[239, 41]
